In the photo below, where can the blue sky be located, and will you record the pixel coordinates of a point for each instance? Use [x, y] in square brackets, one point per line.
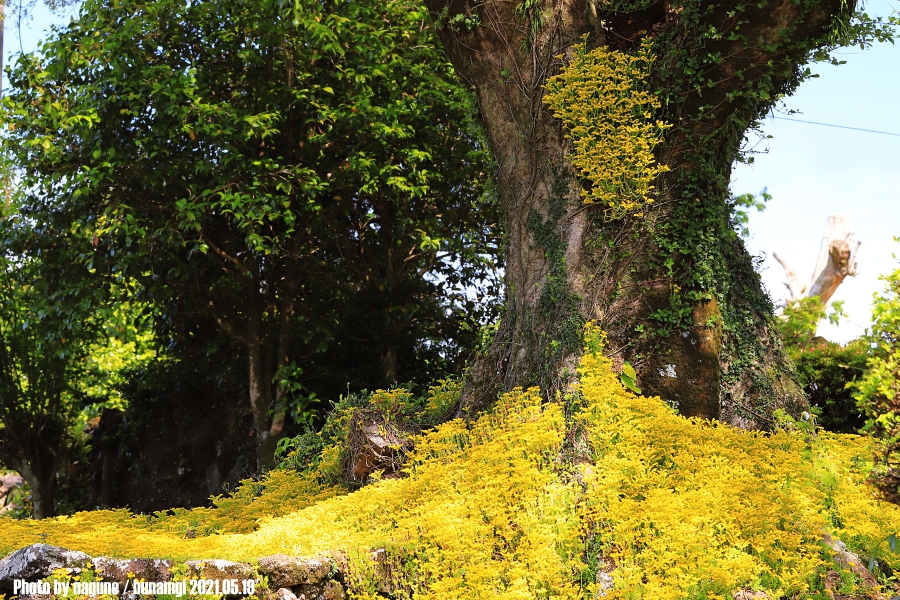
[811, 171]
[814, 171]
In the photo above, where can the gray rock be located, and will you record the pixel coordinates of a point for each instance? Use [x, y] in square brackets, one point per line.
[749, 595]
[604, 577]
[219, 569]
[331, 590]
[310, 577]
[849, 560]
[286, 571]
[37, 562]
[117, 569]
[285, 594]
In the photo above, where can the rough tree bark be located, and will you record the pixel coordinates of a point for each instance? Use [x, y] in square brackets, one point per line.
[675, 290]
[837, 261]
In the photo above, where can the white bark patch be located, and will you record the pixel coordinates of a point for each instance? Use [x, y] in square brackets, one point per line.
[669, 371]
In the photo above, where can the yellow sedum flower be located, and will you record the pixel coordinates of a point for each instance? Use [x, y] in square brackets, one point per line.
[685, 508]
[603, 100]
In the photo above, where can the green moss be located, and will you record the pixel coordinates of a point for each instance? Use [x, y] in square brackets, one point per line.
[557, 305]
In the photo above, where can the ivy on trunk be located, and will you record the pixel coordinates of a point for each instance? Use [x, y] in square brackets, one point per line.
[664, 272]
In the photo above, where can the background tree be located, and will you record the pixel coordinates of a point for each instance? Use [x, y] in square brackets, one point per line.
[43, 341]
[614, 127]
[878, 390]
[836, 262]
[34, 406]
[274, 169]
[824, 368]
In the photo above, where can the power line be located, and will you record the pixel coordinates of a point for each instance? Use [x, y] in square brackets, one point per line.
[837, 126]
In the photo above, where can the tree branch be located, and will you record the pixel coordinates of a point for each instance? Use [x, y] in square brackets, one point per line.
[225, 325]
[792, 282]
[241, 266]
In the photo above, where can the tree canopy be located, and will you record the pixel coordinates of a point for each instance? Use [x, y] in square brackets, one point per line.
[42, 346]
[297, 173]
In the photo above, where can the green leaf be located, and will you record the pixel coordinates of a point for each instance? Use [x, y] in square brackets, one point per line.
[629, 378]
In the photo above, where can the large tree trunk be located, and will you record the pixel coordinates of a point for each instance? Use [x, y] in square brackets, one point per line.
[268, 417]
[675, 290]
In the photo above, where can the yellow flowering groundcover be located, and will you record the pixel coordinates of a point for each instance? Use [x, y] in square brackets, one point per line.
[498, 508]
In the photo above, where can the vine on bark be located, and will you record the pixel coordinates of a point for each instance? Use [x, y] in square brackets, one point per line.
[557, 303]
[675, 289]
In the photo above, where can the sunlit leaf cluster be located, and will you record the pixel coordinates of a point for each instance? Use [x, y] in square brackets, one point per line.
[603, 98]
[878, 391]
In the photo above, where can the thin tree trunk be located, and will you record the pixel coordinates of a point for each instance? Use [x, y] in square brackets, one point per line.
[260, 389]
[268, 417]
[389, 365]
[285, 320]
[42, 482]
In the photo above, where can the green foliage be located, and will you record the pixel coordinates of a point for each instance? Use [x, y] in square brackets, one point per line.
[41, 349]
[806, 425]
[306, 452]
[628, 6]
[892, 546]
[824, 370]
[741, 205]
[67, 342]
[310, 178]
[303, 402]
[125, 343]
[801, 318]
[799, 322]
[629, 378]
[878, 390]
[456, 22]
